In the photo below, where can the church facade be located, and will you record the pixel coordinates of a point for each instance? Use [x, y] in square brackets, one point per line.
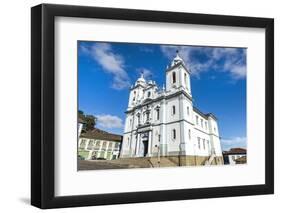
[163, 122]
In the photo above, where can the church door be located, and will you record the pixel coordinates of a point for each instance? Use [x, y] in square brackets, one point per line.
[143, 148]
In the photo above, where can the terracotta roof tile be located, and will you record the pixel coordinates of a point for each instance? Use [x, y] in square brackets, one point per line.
[102, 135]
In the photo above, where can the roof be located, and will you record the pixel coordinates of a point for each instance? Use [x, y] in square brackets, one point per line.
[101, 135]
[234, 151]
[240, 160]
[203, 114]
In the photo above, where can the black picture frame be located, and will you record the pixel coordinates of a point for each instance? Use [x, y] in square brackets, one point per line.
[43, 114]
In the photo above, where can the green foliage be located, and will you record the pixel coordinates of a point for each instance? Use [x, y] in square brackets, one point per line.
[90, 120]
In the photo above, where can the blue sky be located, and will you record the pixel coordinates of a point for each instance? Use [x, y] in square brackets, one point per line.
[218, 82]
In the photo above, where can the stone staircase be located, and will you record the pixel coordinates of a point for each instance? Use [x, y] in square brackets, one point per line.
[210, 160]
[144, 162]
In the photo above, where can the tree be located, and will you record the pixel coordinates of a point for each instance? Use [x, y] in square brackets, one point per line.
[90, 120]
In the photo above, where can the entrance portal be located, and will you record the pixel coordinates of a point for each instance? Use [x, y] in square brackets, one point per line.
[143, 144]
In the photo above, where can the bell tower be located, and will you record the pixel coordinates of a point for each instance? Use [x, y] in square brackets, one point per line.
[178, 76]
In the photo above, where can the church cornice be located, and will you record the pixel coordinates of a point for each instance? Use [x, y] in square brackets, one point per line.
[163, 97]
[177, 65]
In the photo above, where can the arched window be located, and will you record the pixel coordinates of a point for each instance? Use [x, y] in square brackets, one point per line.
[185, 79]
[157, 113]
[173, 110]
[174, 134]
[174, 77]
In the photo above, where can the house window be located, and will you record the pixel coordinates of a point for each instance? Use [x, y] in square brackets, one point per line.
[104, 145]
[173, 110]
[157, 113]
[189, 134]
[174, 134]
[201, 122]
[174, 77]
[197, 119]
[97, 144]
[206, 125]
[83, 144]
[198, 142]
[187, 111]
[90, 145]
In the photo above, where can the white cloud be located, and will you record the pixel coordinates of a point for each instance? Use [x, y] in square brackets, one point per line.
[202, 59]
[147, 74]
[111, 63]
[235, 142]
[109, 121]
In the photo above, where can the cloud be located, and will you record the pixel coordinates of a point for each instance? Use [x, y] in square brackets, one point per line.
[111, 63]
[109, 121]
[203, 59]
[147, 74]
[234, 142]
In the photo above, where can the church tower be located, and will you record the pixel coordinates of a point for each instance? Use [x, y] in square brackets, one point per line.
[178, 76]
[137, 92]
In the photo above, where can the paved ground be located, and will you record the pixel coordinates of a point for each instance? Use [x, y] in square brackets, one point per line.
[123, 163]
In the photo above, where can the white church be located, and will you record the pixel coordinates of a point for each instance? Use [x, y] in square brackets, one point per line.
[164, 122]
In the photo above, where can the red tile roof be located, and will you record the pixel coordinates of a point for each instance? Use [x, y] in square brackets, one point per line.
[101, 135]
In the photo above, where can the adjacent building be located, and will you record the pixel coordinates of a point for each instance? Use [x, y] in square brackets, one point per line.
[235, 156]
[99, 144]
[165, 122]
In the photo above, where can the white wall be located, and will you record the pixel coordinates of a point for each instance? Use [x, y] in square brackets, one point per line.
[15, 93]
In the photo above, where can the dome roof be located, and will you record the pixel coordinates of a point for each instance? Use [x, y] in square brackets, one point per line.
[177, 60]
[141, 80]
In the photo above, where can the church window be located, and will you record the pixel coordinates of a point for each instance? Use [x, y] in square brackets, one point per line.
[157, 113]
[134, 99]
[215, 129]
[147, 116]
[174, 77]
[187, 111]
[204, 144]
[174, 134]
[138, 118]
[185, 79]
[148, 94]
[197, 119]
[198, 142]
[128, 143]
[174, 110]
